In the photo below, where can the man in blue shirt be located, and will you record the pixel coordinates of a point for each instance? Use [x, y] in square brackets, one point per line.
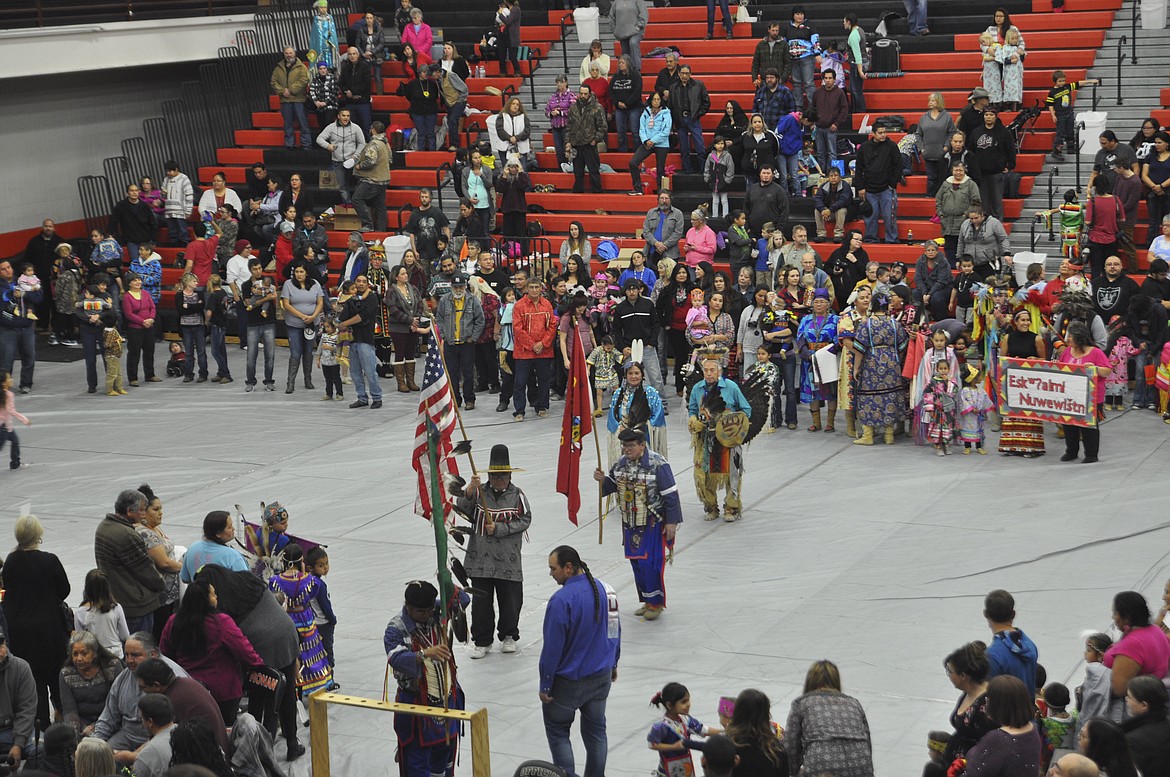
[716, 465]
[582, 645]
[1010, 651]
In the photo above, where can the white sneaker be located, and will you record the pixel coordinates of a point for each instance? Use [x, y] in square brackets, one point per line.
[509, 645]
[479, 652]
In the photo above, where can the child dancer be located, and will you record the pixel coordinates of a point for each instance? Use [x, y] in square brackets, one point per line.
[100, 614]
[1118, 380]
[669, 736]
[766, 373]
[1072, 222]
[7, 415]
[604, 361]
[973, 406]
[318, 560]
[112, 341]
[938, 408]
[1057, 725]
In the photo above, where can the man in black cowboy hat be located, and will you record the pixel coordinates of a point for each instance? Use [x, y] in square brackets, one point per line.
[500, 514]
[422, 662]
[651, 512]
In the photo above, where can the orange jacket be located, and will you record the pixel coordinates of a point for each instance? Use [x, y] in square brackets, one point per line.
[533, 323]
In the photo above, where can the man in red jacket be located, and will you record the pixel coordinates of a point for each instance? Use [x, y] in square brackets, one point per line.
[534, 324]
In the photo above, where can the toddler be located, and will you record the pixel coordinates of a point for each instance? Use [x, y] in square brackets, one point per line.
[992, 70]
[505, 346]
[100, 614]
[671, 735]
[604, 361]
[327, 360]
[718, 173]
[1118, 380]
[938, 407]
[1072, 222]
[317, 561]
[1011, 58]
[809, 170]
[1058, 724]
[936, 747]
[177, 360]
[112, 341]
[973, 406]
[8, 414]
[27, 283]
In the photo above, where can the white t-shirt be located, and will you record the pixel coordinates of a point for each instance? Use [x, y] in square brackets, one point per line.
[109, 627]
[237, 271]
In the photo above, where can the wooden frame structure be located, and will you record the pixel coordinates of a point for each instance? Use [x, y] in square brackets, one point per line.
[319, 727]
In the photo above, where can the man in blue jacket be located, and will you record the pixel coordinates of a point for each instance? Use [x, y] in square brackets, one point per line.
[1010, 651]
[582, 645]
[17, 335]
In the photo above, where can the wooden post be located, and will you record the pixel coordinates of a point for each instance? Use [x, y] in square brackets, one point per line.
[600, 486]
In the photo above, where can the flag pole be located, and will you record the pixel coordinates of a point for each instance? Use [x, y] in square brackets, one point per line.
[600, 487]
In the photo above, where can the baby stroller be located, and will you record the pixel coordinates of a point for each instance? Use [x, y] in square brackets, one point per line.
[1024, 124]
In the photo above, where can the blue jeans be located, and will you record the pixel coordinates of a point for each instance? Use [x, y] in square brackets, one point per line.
[804, 79]
[885, 207]
[558, 134]
[690, 131]
[140, 622]
[361, 116]
[915, 15]
[856, 88]
[523, 368]
[1142, 395]
[31, 750]
[267, 333]
[344, 181]
[589, 695]
[711, 16]
[460, 358]
[300, 350]
[826, 148]
[454, 114]
[176, 230]
[424, 127]
[363, 368]
[627, 122]
[8, 434]
[633, 46]
[20, 341]
[787, 170]
[296, 112]
[194, 344]
[219, 351]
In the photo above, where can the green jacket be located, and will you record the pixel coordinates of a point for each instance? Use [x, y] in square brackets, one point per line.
[295, 79]
[586, 124]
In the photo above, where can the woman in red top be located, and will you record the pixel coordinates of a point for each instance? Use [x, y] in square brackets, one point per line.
[210, 646]
[1103, 217]
[1081, 350]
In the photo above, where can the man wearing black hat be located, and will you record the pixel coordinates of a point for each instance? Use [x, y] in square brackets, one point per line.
[651, 512]
[424, 667]
[500, 514]
[461, 321]
[18, 705]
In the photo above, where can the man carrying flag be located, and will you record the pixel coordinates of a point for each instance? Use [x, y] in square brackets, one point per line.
[651, 512]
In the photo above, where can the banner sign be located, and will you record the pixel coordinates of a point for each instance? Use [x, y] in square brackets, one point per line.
[1048, 391]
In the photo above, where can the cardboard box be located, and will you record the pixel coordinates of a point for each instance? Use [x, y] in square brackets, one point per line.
[345, 218]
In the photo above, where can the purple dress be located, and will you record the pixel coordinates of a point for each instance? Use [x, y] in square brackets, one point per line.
[299, 594]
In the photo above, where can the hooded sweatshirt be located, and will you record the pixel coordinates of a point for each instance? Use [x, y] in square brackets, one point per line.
[1011, 652]
[994, 148]
[18, 702]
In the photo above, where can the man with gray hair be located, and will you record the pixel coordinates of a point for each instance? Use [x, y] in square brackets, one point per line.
[1074, 765]
[121, 553]
[119, 724]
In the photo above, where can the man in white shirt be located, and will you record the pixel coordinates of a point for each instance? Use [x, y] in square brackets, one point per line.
[158, 718]
[237, 272]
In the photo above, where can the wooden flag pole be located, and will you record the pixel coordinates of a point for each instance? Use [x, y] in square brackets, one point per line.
[600, 486]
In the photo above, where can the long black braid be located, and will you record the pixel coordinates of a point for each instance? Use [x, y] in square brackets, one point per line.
[566, 554]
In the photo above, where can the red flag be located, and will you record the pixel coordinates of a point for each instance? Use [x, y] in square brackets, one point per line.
[577, 423]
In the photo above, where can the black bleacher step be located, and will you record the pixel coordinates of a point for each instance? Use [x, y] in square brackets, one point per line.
[297, 159]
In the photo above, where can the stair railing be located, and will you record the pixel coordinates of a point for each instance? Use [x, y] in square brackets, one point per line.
[1133, 33]
[1032, 238]
[1080, 125]
[567, 21]
[441, 181]
[1120, 59]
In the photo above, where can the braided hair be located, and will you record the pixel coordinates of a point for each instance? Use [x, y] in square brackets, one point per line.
[566, 554]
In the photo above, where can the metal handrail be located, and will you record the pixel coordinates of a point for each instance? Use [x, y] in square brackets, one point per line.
[407, 207]
[1051, 199]
[567, 21]
[1080, 125]
[472, 125]
[440, 181]
[1133, 34]
[1120, 59]
[1035, 221]
[1095, 98]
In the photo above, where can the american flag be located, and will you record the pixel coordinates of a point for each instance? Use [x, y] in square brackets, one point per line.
[436, 406]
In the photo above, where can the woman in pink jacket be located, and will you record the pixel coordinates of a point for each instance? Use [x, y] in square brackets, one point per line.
[420, 38]
[699, 244]
[210, 646]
